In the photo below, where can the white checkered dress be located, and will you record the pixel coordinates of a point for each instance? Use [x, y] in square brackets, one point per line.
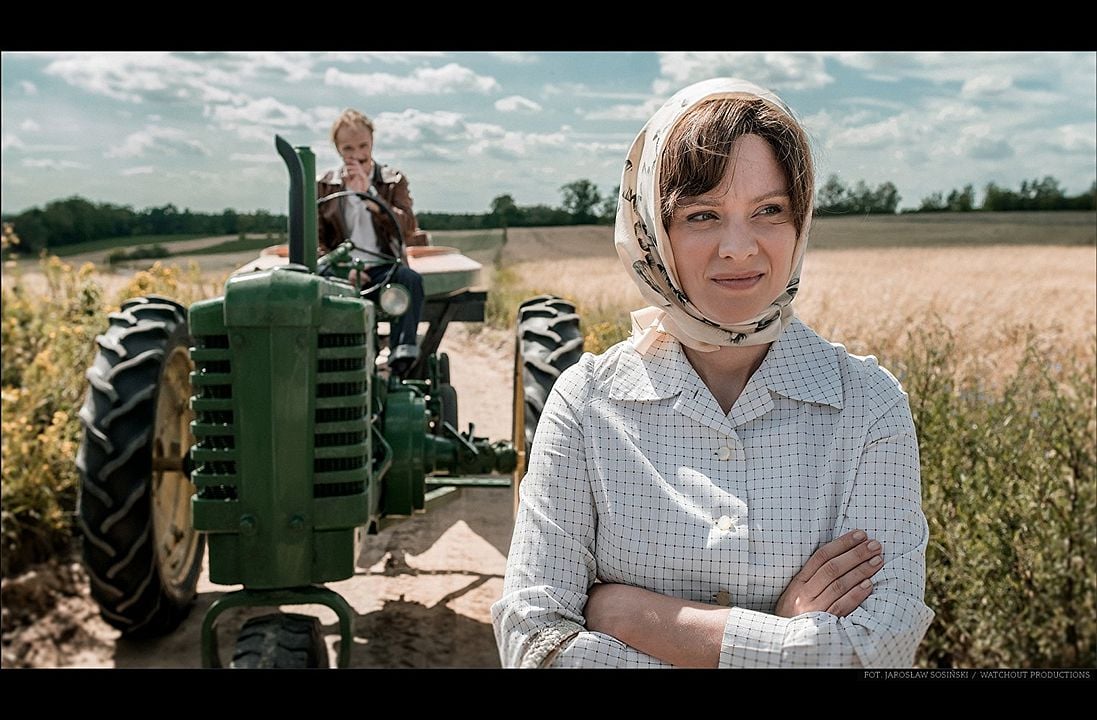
[636, 476]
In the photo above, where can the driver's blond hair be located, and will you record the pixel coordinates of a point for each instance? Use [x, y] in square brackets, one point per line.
[351, 118]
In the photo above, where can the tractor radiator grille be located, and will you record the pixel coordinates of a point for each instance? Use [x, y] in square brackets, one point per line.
[214, 451]
[341, 464]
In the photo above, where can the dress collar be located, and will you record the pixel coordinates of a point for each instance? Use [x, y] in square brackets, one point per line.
[799, 365]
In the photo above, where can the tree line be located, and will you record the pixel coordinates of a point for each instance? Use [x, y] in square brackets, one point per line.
[835, 198]
[76, 220]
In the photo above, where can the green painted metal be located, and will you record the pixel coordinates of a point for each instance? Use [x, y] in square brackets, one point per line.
[308, 163]
[308, 595]
[404, 429]
[285, 361]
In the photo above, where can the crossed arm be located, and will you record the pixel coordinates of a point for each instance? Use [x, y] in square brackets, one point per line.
[553, 612]
[690, 634]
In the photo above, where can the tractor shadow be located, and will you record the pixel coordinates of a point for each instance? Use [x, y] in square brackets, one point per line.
[421, 594]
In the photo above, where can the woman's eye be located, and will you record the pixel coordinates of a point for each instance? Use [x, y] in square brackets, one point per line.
[771, 210]
[701, 216]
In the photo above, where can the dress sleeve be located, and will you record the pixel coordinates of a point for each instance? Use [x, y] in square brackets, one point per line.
[884, 499]
[551, 564]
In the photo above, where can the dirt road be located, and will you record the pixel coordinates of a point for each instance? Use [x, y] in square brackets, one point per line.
[421, 597]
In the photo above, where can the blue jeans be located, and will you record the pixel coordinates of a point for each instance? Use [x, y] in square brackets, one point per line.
[404, 329]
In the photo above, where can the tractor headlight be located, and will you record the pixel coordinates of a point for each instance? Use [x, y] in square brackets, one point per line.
[395, 300]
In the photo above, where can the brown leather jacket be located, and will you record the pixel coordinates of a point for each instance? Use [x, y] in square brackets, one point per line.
[392, 187]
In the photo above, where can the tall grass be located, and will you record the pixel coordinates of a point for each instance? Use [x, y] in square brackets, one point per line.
[47, 340]
[1009, 475]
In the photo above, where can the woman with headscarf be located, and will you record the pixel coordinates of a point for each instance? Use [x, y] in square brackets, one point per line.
[725, 488]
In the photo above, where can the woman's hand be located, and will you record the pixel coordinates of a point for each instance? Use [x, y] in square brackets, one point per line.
[835, 578]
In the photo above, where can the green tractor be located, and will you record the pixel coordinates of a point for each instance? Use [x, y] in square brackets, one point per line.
[261, 423]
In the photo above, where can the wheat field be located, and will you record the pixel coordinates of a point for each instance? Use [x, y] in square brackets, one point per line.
[992, 298]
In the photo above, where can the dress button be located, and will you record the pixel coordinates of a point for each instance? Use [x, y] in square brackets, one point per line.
[725, 453]
[723, 598]
[725, 523]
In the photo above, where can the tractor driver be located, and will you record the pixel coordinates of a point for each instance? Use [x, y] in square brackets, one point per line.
[371, 228]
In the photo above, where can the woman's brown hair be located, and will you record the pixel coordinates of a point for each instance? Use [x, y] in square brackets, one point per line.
[697, 151]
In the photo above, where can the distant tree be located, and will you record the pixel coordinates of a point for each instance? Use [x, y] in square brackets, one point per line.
[836, 199]
[607, 212]
[934, 202]
[504, 211]
[885, 199]
[228, 222]
[831, 198]
[581, 197]
[962, 200]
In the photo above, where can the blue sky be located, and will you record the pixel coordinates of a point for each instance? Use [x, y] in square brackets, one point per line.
[197, 129]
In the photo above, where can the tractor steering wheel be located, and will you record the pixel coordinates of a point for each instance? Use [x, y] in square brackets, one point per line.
[392, 261]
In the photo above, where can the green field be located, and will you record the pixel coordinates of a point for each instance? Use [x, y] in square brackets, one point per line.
[255, 242]
[120, 242]
[1066, 227]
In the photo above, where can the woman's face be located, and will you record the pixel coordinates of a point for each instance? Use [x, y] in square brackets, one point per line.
[733, 246]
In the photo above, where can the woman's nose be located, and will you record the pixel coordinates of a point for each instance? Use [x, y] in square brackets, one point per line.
[737, 242]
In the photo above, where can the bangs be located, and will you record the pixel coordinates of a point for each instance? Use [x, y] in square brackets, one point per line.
[698, 149]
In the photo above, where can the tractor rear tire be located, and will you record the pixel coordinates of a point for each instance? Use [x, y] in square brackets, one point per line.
[139, 549]
[281, 640]
[548, 342]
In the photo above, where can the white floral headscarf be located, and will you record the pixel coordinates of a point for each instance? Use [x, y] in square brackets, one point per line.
[644, 248]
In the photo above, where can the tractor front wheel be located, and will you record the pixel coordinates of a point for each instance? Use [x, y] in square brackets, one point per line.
[281, 640]
[548, 342]
[140, 551]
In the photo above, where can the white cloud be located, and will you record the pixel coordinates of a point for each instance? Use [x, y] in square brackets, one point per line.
[516, 103]
[1076, 138]
[122, 76]
[565, 88]
[447, 79]
[574, 89]
[292, 66]
[29, 88]
[873, 135]
[137, 76]
[138, 170]
[989, 149]
[411, 127]
[159, 140]
[626, 111]
[1033, 77]
[617, 150]
[255, 157]
[777, 71]
[11, 142]
[985, 85]
[389, 58]
[499, 142]
[52, 164]
[260, 119]
[515, 58]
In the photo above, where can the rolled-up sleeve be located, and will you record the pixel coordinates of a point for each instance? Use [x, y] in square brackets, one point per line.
[883, 498]
[539, 620]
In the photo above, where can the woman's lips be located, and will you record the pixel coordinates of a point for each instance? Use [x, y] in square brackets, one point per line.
[738, 283]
